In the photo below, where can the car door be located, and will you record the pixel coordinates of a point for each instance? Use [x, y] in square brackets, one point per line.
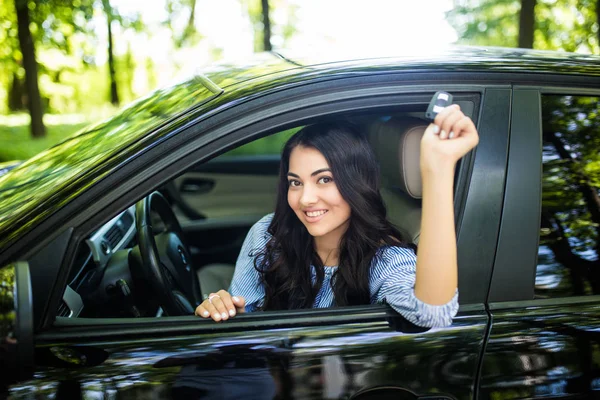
[207, 201]
[367, 352]
[545, 339]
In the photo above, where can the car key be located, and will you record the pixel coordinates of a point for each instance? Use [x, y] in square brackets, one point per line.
[439, 101]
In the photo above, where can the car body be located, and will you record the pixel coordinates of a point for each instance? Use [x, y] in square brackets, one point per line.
[526, 222]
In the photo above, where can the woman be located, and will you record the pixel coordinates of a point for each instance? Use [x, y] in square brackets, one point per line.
[329, 242]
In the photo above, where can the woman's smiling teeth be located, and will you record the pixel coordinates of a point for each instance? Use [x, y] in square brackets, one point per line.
[315, 213]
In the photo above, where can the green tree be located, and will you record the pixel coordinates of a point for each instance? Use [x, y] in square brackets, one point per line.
[570, 225]
[31, 26]
[27, 46]
[526, 24]
[132, 21]
[266, 29]
[114, 94]
[569, 25]
[266, 22]
[182, 8]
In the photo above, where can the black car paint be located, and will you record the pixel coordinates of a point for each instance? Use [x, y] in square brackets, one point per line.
[515, 347]
[301, 353]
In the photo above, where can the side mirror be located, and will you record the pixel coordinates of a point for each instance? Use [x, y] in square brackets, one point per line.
[16, 324]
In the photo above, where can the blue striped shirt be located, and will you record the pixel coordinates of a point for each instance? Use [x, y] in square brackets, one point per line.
[392, 280]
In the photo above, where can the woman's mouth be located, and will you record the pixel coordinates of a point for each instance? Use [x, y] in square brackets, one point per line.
[315, 215]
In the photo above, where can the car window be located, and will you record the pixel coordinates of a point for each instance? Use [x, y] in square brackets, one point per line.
[230, 193]
[211, 191]
[568, 254]
[269, 145]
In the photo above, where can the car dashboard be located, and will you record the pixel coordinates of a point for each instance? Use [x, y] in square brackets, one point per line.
[104, 253]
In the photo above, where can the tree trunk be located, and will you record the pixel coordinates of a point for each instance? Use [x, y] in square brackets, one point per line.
[267, 26]
[578, 267]
[34, 101]
[527, 24]
[114, 94]
[16, 98]
[590, 196]
[190, 25]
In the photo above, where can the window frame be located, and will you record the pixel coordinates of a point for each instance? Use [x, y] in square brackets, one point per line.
[514, 271]
[578, 93]
[206, 136]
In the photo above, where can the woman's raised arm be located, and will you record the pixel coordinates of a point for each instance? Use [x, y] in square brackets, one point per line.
[445, 141]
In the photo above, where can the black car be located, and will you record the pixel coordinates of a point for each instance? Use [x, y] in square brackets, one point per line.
[109, 239]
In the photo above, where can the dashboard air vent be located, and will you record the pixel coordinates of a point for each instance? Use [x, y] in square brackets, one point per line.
[63, 309]
[114, 236]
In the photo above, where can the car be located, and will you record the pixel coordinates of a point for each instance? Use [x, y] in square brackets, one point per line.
[7, 166]
[109, 239]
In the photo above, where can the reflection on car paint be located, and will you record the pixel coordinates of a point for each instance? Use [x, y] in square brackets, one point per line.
[301, 363]
[543, 351]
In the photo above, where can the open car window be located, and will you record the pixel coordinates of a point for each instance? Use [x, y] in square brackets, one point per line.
[215, 203]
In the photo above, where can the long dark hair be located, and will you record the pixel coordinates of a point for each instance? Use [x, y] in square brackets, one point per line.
[285, 262]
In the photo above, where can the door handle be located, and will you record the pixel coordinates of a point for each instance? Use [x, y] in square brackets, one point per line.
[197, 186]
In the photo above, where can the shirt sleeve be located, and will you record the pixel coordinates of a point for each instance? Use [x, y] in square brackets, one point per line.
[393, 281]
[246, 279]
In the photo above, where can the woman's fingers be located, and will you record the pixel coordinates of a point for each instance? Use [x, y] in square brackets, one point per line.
[459, 136]
[221, 311]
[220, 306]
[226, 299]
[465, 128]
[446, 120]
[201, 311]
[208, 310]
[240, 303]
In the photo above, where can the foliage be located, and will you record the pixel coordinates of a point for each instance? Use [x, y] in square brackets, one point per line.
[283, 21]
[569, 25]
[17, 143]
[177, 9]
[570, 232]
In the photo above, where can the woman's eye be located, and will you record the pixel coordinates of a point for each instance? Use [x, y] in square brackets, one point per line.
[325, 179]
[294, 183]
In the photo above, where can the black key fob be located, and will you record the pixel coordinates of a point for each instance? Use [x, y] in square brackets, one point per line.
[438, 102]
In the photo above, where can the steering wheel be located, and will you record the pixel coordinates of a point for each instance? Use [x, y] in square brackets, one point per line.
[166, 260]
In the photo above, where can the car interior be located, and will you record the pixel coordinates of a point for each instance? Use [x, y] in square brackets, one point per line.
[163, 255]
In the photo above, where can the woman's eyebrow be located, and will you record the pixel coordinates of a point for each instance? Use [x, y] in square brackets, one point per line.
[313, 174]
[320, 170]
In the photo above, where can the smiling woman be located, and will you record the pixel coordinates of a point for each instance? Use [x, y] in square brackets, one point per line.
[329, 242]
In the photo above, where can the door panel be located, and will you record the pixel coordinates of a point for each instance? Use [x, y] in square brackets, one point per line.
[217, 240]
[227, 187]
[543, 350]
[313, 355]
[215, 195]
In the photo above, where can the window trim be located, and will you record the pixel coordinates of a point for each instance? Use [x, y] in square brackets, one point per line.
[516, 255]
[512, 262]
[210, 135]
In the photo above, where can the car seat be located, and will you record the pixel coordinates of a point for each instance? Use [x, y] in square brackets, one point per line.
[397, 143]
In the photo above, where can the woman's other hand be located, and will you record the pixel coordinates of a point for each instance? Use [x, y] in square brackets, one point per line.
[221, 306]
[446, 140]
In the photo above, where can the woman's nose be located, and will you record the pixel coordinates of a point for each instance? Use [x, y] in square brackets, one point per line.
[309, 196]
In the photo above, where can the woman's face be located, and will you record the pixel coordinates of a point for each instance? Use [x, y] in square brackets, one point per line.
[314, 196]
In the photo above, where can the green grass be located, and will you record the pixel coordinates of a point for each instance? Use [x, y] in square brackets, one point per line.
[268, 145]
[16, 142]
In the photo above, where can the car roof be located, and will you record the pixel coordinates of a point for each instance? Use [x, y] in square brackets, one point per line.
[40, 186]
[458, 58]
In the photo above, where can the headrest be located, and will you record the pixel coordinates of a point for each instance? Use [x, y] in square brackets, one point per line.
[397, 145]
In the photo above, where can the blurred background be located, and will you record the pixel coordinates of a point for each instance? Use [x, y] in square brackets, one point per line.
[90, 57]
